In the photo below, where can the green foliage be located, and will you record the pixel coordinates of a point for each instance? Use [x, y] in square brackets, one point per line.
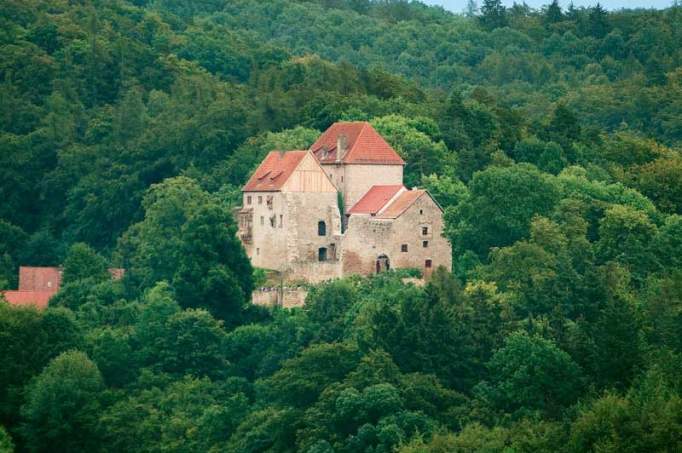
[530, 373]
[6, 444]
[550, 137]
[62, 404]
[501, 203]
[82, 262]
[189, 239]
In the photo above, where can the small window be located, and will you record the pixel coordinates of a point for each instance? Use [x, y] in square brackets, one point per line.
[262, 220]
[281, 220]
[421, 211]
[321, 228]
[425, 231]
[425, 244]
[403, 248]
[257, 251]
[273, 221]
[427, 264]
[248, 199]
[322, 254]
[341, 178]
[260, 199]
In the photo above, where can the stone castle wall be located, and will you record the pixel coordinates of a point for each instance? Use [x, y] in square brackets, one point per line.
[368, 238]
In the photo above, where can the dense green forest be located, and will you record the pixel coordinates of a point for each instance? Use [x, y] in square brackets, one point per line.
[552, 138]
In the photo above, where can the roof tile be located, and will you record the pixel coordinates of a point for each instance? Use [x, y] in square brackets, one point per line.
[364, 145]
[39, 299]
[401, 204]
[375, 199]
[274, 171]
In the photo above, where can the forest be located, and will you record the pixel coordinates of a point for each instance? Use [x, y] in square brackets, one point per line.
[551, 137]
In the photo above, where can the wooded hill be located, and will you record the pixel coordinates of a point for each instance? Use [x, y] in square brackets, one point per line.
[551, 137]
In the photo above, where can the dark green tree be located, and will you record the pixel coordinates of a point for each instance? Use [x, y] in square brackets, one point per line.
[62, 404]
[493, 14]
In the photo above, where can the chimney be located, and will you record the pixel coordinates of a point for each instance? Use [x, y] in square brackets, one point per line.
[341, 145]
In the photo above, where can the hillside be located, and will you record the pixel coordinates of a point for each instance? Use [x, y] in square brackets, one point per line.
[551, 138]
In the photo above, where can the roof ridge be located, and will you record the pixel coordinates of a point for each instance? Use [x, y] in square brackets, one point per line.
[391, 200]
[357, 140]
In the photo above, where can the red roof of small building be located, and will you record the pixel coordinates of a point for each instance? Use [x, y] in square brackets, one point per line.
[39, 299]
[116, 273]
[32, 278]
[274, 171]
[401, 203]
[375, 199]
[364, 145]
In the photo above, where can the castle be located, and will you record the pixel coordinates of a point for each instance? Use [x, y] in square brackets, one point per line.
[339, 208]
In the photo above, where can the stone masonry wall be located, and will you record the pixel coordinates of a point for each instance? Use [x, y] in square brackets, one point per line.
[358, 179]
[368, 237]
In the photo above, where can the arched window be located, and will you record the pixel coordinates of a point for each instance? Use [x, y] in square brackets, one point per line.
[321, 228]
[322, 254]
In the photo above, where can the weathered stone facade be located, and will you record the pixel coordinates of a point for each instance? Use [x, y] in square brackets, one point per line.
[290, 220]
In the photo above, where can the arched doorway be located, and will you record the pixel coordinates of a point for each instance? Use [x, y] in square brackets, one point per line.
[383, 264]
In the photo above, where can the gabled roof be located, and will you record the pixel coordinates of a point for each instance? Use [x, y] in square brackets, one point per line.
[33, 278]
[401, 203]
[375, 199]
[364, 145]
[274, 171]
[39, 299]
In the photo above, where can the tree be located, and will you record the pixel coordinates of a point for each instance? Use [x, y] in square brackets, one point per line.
[502, 202]
[471, 8]
[553, 13]
[626, 235]
[598, 22]
[62, 405]
[213, 271]
[188, 239]
[6, 444]
[528, 374]
[29, 339]
[493, 14]
[414, 140]
[82, 262]
[327, 307]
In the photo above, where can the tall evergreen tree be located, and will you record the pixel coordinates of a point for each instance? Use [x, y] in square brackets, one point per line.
[493, 14]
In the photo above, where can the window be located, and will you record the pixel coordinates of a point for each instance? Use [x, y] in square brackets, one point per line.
[321, 228]
[257, 251]
[427, 264]
[425, 244]
[421, 211]
[341, 178]
[248, 199]
[262, 220]
[273, 221]
[281, 220]
[322, 254]
[425, 231]
[403, 248]
[260, 199]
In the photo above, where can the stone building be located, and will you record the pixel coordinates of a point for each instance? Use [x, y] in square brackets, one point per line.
[339, 208]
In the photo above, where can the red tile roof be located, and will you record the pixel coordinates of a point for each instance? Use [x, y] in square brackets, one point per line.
[401, 204]
[116, 273]
[364, 145]
[375, 199]
[39, 299]
[39, 278]
[274, 171]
